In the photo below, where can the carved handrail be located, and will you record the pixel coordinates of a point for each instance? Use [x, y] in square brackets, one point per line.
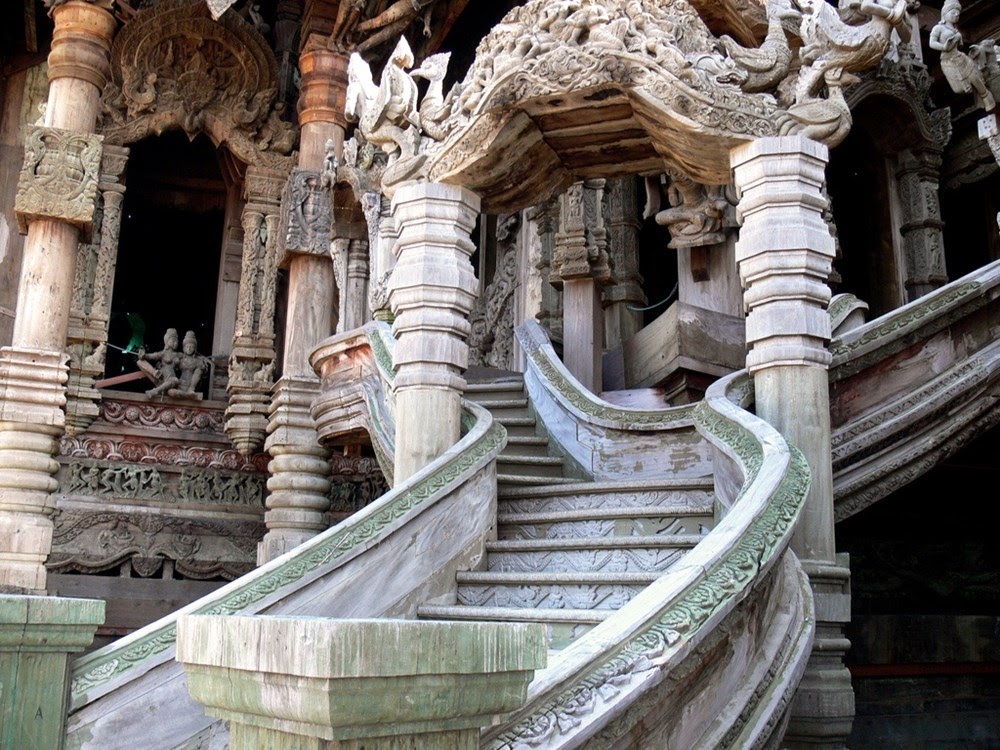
[590, 430]
[635, 649]
[285, 585]
[943, 351]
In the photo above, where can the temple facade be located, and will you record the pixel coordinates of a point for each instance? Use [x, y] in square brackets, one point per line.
[557, 373]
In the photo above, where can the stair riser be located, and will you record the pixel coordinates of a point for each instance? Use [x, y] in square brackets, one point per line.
[519, 430]
[694, 499]
[508, 465]
[618, 527]
[521, 450]
[584, 596]
[639, 559]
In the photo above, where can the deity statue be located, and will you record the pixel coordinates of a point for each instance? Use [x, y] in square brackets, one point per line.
[961, 71]
[177, 374]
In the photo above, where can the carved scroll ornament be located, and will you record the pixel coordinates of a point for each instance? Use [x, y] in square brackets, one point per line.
[59, 177]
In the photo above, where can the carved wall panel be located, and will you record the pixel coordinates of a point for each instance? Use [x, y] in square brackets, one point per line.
[355, 482]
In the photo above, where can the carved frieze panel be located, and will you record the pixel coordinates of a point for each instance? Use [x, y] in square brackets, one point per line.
[491, 342]
[355, 482]
[169, 454]
[89, 542]
[305, 214]
[124, 481]
[161, 416]
[59, 177]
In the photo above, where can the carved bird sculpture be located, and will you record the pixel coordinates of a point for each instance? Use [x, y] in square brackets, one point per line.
[766, 66]
[825, 120]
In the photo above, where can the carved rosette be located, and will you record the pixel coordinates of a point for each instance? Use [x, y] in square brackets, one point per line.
[305, 215]
[59, 177]
[252, 361]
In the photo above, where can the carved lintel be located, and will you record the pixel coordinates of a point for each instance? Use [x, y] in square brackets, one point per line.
[305, 215]
[59, 177]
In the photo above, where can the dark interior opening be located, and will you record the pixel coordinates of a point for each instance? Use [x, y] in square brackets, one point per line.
[168, 253]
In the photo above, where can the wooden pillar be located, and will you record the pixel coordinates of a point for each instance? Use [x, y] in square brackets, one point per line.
[431, 293]
[785, 254]
[56, 195]
[580, 268]
[299, 486]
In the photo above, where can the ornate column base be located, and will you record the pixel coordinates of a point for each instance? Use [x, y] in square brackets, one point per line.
[374, 684]
[31, 421]
[299, 485]
[822, 712]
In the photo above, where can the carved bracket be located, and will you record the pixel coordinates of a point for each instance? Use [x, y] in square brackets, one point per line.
[59, 177]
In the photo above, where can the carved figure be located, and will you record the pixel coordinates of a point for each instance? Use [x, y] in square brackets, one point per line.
[696, 214]
[830, 44]
[387, 114]
[961, 71]
[177, 374]
[164, 373]
[435, 108]
[825, 120]
[766, 66]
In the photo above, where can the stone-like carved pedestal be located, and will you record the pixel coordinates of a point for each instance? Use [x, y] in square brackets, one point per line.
[322, 684]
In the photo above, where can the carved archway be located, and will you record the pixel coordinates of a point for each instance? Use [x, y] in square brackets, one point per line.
[174, 68]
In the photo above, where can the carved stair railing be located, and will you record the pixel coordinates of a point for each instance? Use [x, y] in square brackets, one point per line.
[133, 694]
[910, 388]
[728, 628]
[603, 440]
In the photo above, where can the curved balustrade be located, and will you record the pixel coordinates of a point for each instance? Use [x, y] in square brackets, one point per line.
[608, 441]
[133, 694]
[727, 629]
[912, 387]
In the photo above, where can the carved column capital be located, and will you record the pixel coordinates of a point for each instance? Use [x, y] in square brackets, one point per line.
[81, 42]
[305, 215]
[581, 240]
[322, 96]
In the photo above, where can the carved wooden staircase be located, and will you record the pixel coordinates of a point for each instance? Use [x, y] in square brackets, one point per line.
[569, 552]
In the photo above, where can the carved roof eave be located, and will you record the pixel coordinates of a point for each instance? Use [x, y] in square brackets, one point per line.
[531, 137]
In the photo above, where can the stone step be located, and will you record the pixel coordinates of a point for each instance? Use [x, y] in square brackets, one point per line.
[492, 391]
[539, 466]
[569, 590]
[519, 426]
[600, 522]
[609, 555]
[531, 480]
[526, 445]
[563, 626]
[696, 495]
[506, 407]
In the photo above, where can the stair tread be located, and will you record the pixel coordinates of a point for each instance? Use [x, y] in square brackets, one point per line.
[515, 421]
[516, 458]
[603, 514]
[595, 542]
[526, 440]
[582, 486]
[530, 480]
[491, 577]
[467, 612]
[504, 403]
